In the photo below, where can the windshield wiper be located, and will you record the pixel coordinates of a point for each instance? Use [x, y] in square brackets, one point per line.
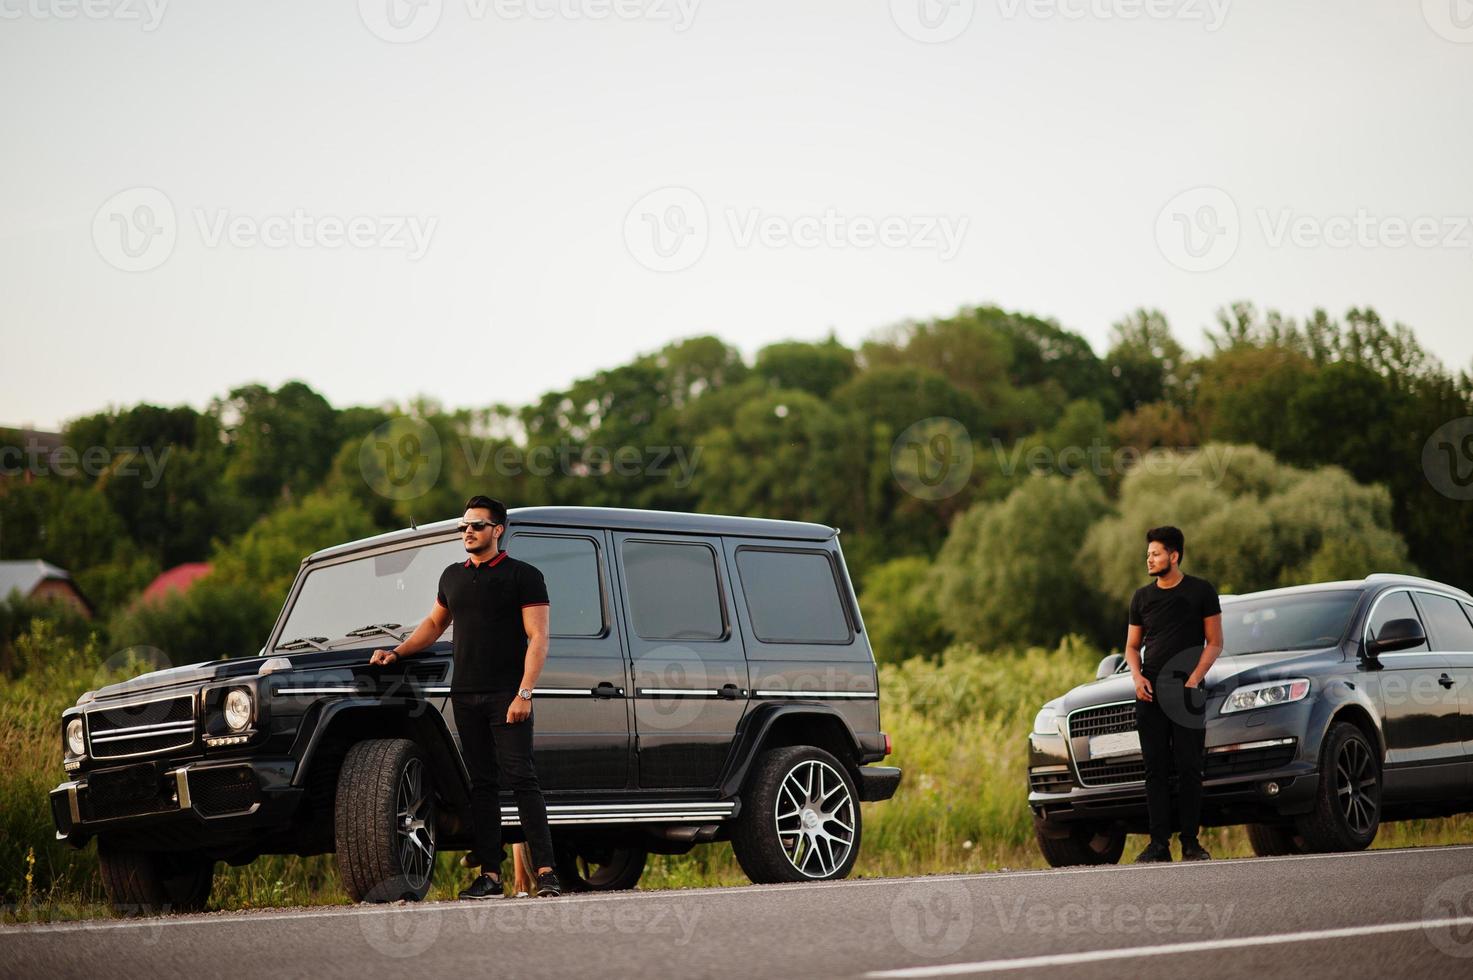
[318, 643]
[387, 629]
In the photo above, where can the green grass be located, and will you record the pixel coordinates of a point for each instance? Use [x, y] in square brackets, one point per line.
[959, 727]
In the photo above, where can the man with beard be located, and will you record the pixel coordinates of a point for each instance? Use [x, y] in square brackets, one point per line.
[1178, 622]
[500, 609]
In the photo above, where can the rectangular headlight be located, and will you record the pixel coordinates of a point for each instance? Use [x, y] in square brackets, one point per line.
[1266, 695]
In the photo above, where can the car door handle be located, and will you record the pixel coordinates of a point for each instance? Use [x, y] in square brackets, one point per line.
[1445, 681]
[607, 690]
[729, 691]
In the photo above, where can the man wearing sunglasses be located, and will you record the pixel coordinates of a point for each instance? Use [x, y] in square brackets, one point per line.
[500, 609]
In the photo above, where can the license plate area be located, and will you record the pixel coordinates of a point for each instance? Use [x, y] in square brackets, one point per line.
[1113, 744]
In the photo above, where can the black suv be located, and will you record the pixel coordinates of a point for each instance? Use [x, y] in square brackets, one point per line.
[1333, 707]
[709, 678]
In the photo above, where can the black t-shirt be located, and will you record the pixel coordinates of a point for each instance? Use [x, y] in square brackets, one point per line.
[1171, 622]
[486, 603]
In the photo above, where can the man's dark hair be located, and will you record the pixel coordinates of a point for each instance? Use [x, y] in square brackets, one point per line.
[496, 507]
[1171, 539]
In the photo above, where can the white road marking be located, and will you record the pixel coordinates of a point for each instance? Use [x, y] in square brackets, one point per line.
[1136, 952]
[685, 894]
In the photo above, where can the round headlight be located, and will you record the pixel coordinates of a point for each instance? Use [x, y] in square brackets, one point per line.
[238, 709]
[74, 741]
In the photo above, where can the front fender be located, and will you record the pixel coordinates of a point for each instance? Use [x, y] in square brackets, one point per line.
[387, 718]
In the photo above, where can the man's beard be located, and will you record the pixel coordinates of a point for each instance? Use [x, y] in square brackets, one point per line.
[1161, 572]
[478, 551]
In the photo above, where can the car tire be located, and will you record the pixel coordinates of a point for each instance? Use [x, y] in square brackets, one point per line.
[1274, 840]
[1347, 808]
[596, 867]
[154, 882]
[384, 822]
[1085, 843]
[800, 818]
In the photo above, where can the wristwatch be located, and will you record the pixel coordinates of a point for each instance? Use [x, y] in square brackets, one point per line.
[525, 694]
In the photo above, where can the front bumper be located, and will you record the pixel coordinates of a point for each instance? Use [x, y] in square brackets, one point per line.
[180, 804]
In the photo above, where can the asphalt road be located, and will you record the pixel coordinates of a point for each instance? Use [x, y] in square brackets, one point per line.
[1373, 914]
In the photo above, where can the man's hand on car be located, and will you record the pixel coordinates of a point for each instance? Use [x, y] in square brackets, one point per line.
[1143, 690]
[382, 658]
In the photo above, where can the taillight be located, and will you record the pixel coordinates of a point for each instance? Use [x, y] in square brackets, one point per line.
[889, 746]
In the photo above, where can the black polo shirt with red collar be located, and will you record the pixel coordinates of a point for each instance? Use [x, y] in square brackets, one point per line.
[486, 602]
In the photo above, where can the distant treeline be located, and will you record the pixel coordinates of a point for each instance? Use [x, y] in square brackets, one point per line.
[988, 470]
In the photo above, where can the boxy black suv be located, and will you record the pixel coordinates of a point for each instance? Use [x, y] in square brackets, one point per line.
[709, 678]
[1333, 707]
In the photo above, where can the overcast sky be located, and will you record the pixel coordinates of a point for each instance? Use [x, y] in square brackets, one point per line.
[385, 198]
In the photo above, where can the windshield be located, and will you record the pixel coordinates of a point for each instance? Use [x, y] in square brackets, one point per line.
[1302, 621]
[397, 587]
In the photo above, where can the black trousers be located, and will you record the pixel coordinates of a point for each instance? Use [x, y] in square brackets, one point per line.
[499, 756]
[1173, 732]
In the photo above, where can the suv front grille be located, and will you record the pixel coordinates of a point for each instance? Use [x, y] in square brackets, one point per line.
[1106, 720]
[141, 728]
[127, 792]
[1132, 769]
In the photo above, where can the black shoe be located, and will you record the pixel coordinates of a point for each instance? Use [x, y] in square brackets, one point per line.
[547, 885]
[1154, 852]
[485, 886]
[1194, 851]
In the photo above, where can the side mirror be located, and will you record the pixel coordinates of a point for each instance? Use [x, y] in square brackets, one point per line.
[1110, 665]
[1398, 634]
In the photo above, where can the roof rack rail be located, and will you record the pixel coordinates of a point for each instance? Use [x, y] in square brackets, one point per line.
[1398, 577]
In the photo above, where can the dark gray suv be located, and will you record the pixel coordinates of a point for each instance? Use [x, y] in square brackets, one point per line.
[1333, 707]
[709, 678]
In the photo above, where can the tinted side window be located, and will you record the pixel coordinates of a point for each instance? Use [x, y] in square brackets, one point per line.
[792, 597]
[570, 568]
[673, 591]
[1447, 627]
[1396, 605]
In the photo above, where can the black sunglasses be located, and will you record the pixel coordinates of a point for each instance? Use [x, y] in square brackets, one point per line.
[477, 526]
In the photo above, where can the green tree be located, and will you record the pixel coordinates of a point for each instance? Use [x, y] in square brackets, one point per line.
[900, 611]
